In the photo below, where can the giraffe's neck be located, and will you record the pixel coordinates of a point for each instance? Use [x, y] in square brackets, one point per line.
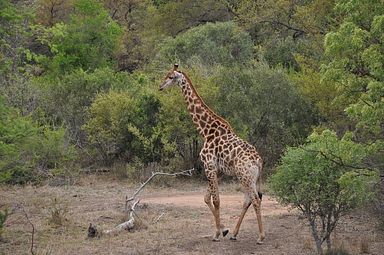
[206, 121]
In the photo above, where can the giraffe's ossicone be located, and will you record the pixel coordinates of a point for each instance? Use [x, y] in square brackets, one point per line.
[223, 151]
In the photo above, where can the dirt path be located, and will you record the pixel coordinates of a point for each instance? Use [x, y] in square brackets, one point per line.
[232, 202]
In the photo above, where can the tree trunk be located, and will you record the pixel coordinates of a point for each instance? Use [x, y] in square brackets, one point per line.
[315, 235]
[329, 230]
[329, 244]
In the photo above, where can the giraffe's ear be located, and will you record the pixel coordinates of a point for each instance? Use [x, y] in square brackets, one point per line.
[175, 67]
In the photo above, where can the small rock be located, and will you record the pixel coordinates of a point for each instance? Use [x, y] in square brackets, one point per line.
[92, 231]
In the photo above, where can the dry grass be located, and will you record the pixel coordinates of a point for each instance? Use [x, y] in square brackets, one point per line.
[308, 244]
[57, 211]
[364, 246]
[61, 216]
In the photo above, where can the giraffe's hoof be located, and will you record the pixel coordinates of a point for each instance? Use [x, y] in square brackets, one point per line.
[225, 232]
[215, 239]
[233, 238]
[259, 241]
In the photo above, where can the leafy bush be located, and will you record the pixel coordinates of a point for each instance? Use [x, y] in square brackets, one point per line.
[354, 54]
[29, 151]
[275, 116]
[88, 41]
[280, 52]
[211, 44]
[64, 100]
[324, 179]
[123, 127]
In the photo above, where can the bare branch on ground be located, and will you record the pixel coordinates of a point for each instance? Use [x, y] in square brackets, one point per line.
[131, 202]
[33, 228]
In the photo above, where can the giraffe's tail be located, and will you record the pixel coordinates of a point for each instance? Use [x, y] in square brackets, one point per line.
[258, 181]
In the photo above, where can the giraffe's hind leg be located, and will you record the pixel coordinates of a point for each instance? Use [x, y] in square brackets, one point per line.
[249, 179]
[246, 204]
[256, 202]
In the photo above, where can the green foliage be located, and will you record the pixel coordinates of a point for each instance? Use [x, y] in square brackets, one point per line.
[276, 115]
[10, 26]
[359, 12]
[123, 126]
[173, 17]
[107, 126]
[324, 179]
[88, 41]
[50, 12]
[283, 28]
[29, 151]
[356, 56]
[3, 217]
[210, 44]
[322, 171]
[15, 34]
[321, 95]
[51, 150]
[280, 52]
[64, 100]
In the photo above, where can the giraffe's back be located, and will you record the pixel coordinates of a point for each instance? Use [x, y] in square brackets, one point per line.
[231, 154]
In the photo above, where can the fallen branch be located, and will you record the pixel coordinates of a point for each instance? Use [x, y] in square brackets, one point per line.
[133, 197]
[158, 218]
[127, 225]
[133, 201]
[33, 229]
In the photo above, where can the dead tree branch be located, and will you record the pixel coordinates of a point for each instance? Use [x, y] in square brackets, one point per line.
[133, 197]
[131, 203]
[158, 218]
[127, 225]
[33, 229]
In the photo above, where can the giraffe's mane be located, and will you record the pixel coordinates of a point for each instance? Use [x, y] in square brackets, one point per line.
[221, 119]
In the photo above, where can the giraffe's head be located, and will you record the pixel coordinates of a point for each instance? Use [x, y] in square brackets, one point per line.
[173, 77]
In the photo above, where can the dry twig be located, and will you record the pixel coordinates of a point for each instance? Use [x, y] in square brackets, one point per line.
[158, 218]
[133, 197]
[133, 201]
[33, 229]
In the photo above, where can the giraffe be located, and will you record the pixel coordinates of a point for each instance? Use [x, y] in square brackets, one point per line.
[223, 151]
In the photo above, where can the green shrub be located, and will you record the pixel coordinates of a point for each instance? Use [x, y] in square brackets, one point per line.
[28, 151]
[3, 217]
[324, 179]
[88, 41]
[65, 99]
[123, 125]
[276, 115]
[221, 43]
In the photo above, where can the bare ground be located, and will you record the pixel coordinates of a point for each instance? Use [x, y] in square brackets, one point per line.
[61, 216]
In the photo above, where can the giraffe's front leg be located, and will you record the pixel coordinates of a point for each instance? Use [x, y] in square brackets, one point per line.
[212, 199]
[222, 229]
